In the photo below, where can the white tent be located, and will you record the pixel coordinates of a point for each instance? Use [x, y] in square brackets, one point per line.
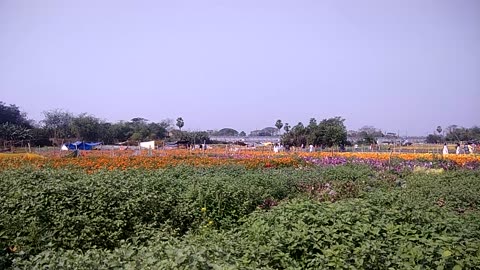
[148, 145]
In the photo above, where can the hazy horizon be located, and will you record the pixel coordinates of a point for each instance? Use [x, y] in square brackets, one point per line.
[400, 66]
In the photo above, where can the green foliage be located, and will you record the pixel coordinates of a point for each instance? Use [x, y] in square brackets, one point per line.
[12, 114]
[371, 233]
[268, 131]
[14, 124]
[458, 190]
[40, 137]
[457, 134]
[433, 138]
[328, 132]
[58, 123]
[14, 132]
[71, 210]
[226, 132]
[297, 136]
[345, 217]
[86, 127]
[191, 137]
[135, 131]
[367, 135]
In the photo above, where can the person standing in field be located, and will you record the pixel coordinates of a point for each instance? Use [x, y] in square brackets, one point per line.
[466, 149]
[457, 150]
[445, 149]
[275, 148]
[470, 148]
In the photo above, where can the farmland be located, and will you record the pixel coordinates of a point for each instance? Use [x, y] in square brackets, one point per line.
[182, 209]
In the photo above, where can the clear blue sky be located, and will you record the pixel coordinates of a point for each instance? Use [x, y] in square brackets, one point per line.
[399, 65]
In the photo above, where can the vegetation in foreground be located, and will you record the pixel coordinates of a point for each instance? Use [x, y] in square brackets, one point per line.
[228, 217]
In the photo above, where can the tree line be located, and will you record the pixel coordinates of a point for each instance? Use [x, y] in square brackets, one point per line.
[454, 133]
[58, 126]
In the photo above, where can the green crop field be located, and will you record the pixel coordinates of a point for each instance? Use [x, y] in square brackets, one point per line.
[228, 217]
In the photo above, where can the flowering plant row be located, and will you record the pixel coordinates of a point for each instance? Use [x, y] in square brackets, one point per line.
[96, 160]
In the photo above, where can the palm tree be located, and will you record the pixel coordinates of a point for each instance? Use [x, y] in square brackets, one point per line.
[439, 130]
[180, 123]
[279, 125]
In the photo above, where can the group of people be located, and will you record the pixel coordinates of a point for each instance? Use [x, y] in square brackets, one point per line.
[280, 148]
[467, 149]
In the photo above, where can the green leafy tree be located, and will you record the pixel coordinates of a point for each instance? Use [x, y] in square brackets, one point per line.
[12, 132]
[121, 131]
[226, 132]
[311, 131]
[139, 120]
[138, 129]
[158, 130]
[106, 134]
[332, 131]
[12, 114]
[328, 132]
[368, 134]
[268, 131]
[14, 125]
[370, 130]
[196, 137]
[40, 137]
[58, 123]
[312, 123]
[296, 136]
[434, 138]
[456, 134]
[86, 127]
[286, 127]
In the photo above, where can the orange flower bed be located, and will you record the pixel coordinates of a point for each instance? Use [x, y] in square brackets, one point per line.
[109, 160]
[93, 161]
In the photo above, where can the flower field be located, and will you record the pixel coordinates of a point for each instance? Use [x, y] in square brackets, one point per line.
[221, 209]
[96, 160]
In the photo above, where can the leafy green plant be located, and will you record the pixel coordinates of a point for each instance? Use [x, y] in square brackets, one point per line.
[235, 218]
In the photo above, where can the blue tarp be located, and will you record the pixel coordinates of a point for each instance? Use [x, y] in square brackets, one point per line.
[82, 145]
